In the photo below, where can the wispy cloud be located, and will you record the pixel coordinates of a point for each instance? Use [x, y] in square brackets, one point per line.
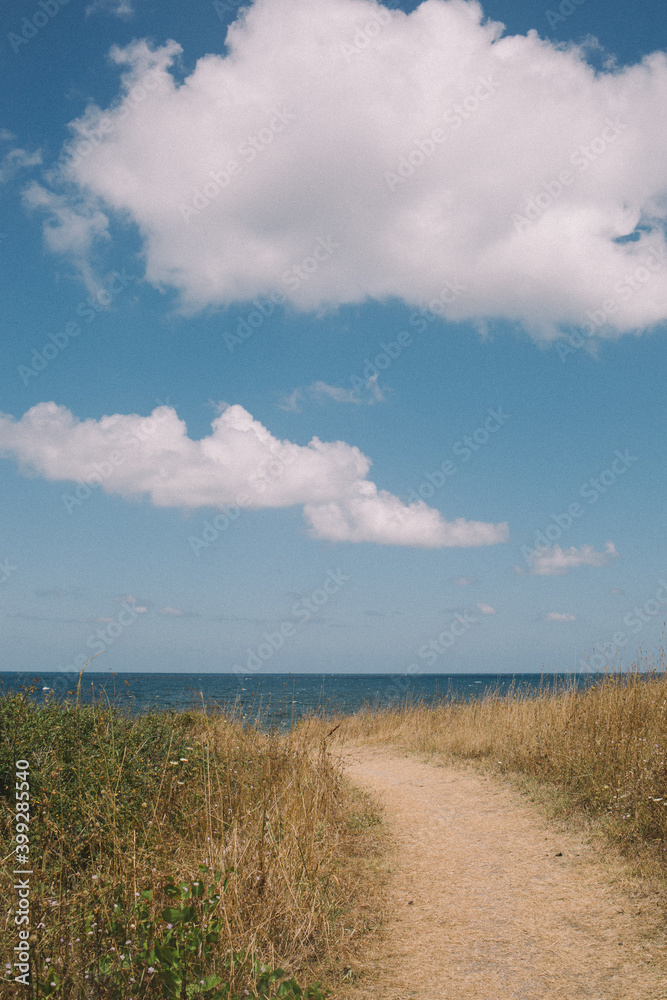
[16, 160]
[556, 561]
[170, 612]
[291, 402]
[141, 607]
[74, 226]
[369, 394]
[486, 609]
[557, 616]
[124, 9]
[464, 581]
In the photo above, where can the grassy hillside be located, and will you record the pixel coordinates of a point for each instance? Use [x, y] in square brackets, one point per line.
[178, 855]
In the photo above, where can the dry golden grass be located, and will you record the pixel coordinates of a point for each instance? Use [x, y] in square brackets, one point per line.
[121, 805]
[603, 751]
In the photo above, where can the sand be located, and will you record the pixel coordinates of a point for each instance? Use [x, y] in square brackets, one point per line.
[488, 900]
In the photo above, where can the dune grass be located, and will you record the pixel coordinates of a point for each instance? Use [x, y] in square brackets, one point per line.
[185, 855]
[602, 751]
[179, 855]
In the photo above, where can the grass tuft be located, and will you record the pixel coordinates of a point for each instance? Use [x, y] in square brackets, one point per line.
[604, 747]
[177, 855]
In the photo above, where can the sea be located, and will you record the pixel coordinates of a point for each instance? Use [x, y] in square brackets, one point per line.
[277, 700]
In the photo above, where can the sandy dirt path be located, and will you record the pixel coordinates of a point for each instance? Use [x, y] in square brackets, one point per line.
[488, 901]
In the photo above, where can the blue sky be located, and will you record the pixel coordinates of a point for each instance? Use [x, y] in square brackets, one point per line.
[396, 228]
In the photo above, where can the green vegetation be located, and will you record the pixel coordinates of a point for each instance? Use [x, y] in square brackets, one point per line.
[190, 856]
[177, 855]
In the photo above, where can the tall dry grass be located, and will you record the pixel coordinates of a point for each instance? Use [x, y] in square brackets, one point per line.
[605, 748]
[250, 837]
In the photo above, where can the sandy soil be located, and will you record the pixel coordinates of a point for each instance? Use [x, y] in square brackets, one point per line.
[488, 901]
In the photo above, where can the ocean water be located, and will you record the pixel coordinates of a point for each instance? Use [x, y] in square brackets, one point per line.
[276, 700]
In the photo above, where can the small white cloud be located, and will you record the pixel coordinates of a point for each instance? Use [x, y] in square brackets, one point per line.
[124, 9]
[141, 609]
[464, 581]
[170, 612]
[240, 464]
[556, 561]
[365, 395]
[291, 403]
[486, 609]
[16, 160]
[557, 616]
[72, 229]
[335, 392]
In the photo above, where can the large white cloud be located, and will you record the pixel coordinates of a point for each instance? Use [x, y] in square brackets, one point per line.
[239, 464]
[365, 152]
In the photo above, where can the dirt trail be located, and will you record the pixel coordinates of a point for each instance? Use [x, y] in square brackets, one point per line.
[488, 901]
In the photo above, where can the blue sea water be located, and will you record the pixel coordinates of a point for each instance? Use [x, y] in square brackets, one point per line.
[276, 700]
